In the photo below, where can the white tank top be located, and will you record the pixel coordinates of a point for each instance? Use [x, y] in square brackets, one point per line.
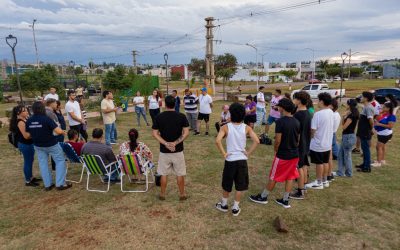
[236, 142]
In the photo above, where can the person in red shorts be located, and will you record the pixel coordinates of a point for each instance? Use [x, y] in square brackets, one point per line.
[284, 166]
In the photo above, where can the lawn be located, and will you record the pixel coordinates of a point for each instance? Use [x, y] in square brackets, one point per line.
[355, 213]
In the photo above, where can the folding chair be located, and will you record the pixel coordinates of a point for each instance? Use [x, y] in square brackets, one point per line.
[130, 164]
[95, 166]
[72, 158]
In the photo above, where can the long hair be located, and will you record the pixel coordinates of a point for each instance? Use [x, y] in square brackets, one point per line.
[353, 107]
[393, 100]
[133, 136]
[390, 106]
[14, 117]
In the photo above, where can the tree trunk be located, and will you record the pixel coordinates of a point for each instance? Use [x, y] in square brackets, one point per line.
[223, 88]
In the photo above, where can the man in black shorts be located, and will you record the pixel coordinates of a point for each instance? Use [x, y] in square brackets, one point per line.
[205, 110]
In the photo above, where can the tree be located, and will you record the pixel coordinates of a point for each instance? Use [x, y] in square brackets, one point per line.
[113, 79]
[176, 76]
[288, 73]
[225, 67]
[198, 67]
[78, 71]
[323, 64]
[333, 70]
[365, 63]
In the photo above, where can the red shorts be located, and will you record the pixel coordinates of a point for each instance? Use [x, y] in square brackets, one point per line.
[284, 170]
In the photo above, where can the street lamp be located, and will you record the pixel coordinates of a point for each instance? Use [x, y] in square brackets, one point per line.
[12, 42]
[166, 70]
[34, 41]
[262, 62]
[313, 69]
[350, 55]
[254, 47]
[344, 55]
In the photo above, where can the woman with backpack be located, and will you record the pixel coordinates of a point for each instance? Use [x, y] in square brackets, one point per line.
[23, 141]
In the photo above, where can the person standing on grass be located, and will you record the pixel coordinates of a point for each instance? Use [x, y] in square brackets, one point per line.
[25, 144]
[51, 107]
[274, 114]
[109, 117]
[284, 166]
[154, 106]
[138, 101]
[79, 92]
[205, 101]
[74, 115]
[364, 131]
[177, 100]
[171, 128]
[251, 112]
[224, 118]
[350, 120]
[42, 130]
[321, 141]
[52, 95]
[190, 102]
[383, 125]
[335, 148]
[300, 99]
[236, 155]
[260, 108]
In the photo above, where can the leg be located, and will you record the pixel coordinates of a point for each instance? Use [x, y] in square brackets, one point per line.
[270, 185]
[259, 115]
[114, 134]
[143, 112]
[326, 172]
[189, 118]
[194, 120]
[163, 185]
[330, 164]
[319, 171]
[305, 171]
[181, 185]
[335, 148]
[198, 126]
[108, 128]
[137, 111]
[383, 152]
[379, 151]
[238, 195]
[207, 126]
[217, 126]
[288, 186]
[341, 158]
[58, 155]
[43, 158]
[358, 143]
[28, 153]
[300, 180]
[365, 146]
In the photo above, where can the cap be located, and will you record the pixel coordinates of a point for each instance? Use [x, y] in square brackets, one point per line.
[204, 89]
[286, 104]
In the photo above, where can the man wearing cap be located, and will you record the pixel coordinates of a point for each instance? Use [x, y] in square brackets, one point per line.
[284, 166]
[205, 102]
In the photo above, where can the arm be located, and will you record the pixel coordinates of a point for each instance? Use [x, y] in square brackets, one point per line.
[371, 122]
[218, 141]
[76, 118]
[312, 133]
[156, 134]
[59, 131]
[109, 110]
[21, 127]
[254, 138]
[278, 138]
[389, 126]
[183, 136]
[347, 123]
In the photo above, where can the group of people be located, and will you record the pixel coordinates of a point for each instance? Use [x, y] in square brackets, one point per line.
[301, 137]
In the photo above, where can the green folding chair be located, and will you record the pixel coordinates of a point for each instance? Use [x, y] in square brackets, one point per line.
[130, 164]
[95, 166]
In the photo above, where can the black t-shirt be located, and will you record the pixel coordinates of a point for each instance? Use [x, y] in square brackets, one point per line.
[41, 129]
[352, 127]
[289, 127]
[170, 125]
[304, 118]
[20, 137]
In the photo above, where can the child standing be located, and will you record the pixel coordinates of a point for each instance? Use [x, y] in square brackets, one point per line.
[235, 170]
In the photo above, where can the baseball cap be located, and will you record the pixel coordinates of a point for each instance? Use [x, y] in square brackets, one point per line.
[204, 89]
[286, 104]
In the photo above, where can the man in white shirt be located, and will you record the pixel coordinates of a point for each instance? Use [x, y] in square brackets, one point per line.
[109, 110]
[52, 95]
[74, 115]
[260, 108]
[205, 102]
[335, 148]
[321, 141]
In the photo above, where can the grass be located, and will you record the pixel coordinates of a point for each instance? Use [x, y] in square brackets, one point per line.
[361, 212]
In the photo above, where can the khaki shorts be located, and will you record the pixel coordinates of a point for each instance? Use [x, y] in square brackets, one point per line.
[171, 163]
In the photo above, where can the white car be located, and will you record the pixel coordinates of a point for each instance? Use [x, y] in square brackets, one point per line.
[315, 89]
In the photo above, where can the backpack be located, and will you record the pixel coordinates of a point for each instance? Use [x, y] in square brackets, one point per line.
[12, 139]
[264, 139]
[255, 98]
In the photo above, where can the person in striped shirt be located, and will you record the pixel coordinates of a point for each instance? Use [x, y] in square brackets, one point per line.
[190, 102]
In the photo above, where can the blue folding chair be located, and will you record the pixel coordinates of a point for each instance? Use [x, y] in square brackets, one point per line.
[72, 158]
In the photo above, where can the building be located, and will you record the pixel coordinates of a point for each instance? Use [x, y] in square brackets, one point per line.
[181, 69]
[390, 70]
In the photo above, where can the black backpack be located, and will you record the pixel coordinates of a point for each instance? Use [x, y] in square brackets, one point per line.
[264, 139]
[12, 138]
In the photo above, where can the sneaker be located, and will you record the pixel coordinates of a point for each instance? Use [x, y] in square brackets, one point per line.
[383, 162]
[356, 151]
[69, 185]
[283, 203]
[221, 208]
[325, 184]
[331, 178]
[31, 184]
[296, 195]
[314, 185]
[196, 133]
[360, 166]
[236, 212]
[258, 199]
[34, 179]
[376, 165]
[113, 143]
[363, 170]
[49, 188]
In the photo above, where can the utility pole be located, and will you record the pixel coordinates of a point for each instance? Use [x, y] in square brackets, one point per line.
[210, 74]
[134, 54]
[349, 63]
[34, 41]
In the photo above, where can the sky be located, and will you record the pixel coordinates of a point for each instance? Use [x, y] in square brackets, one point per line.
[84, 30]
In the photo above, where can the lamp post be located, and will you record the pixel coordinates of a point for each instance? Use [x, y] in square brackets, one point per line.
[313, 59]
[262, 62]
[34, 41]
[344, 55]
[72, 64]
[166, 70]
[12, 42]
[254, 47]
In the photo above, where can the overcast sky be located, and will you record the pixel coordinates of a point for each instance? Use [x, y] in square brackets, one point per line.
[102, 30]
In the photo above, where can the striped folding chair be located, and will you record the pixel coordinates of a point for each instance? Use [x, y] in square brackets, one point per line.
[95, 166]
[130, 164]
[72, 158]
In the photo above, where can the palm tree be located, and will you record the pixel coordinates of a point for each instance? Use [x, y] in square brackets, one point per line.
[323, 64]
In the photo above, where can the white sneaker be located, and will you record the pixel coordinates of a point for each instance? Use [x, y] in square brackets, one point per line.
[325, 184]
[376, 164]
[314, 185]
[383, 162]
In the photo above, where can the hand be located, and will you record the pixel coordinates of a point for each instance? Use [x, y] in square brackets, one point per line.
[116, 109]
[170, 146]
[247, 154]
[226, 155]
[82, 121]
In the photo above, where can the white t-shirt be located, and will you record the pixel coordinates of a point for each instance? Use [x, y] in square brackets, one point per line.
[322, 123]
[51, 96]
[377, 107]
[73, 107]
[205, 104]
[108, 118]
[260, 104]
[336, 121]
[139, 99]
[153, 103]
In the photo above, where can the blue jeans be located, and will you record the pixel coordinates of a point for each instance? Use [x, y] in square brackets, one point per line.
[335, 147]
[366, 153]
[28, 153]
[140, 111]
[111, 133]
[57, 154]
[261, 115]
[345, 163]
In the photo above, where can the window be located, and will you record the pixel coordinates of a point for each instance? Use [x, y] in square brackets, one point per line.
[306, 88]
[314, 87]
[324, 88]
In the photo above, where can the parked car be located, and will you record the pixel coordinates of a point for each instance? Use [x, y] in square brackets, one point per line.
[380, 94]
[315, 89]
[314, 81]
[337, 78]
[327, 80]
